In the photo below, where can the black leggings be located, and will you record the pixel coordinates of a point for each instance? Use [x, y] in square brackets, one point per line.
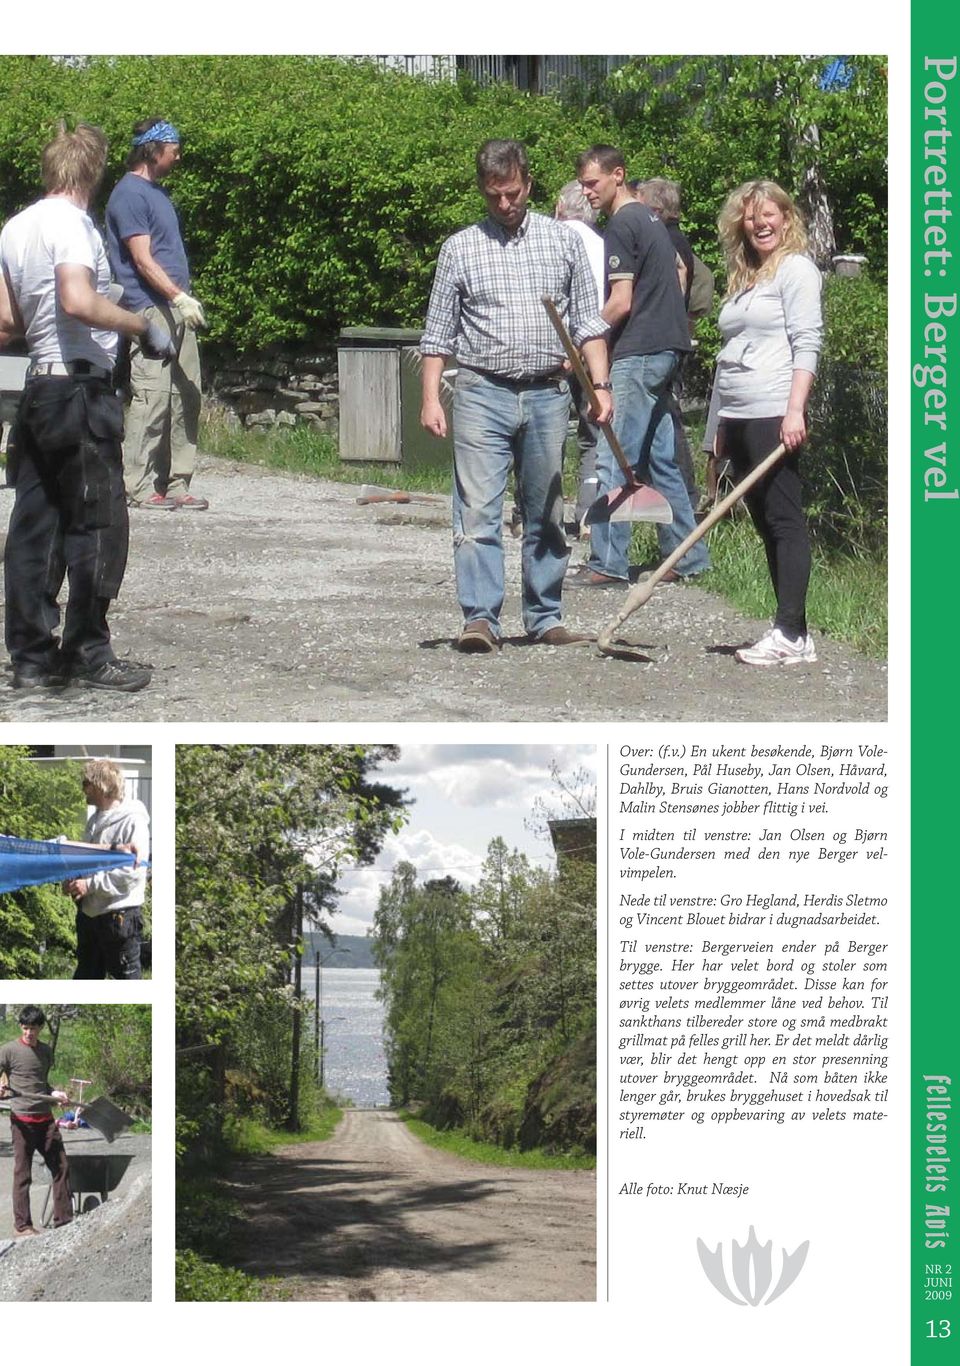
[777, 510]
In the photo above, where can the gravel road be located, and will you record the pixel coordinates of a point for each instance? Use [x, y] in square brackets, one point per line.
[374, 1214]
[288, 602]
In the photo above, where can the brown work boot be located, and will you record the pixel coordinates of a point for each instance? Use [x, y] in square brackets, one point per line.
[477, 638]
[585, 577]
[559, 635]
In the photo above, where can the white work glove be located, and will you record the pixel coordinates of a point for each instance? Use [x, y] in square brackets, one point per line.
[191, 310]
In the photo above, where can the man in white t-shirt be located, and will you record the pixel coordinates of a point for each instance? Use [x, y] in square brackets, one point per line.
[70, 514]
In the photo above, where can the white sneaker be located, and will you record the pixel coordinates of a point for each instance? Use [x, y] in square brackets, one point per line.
[775, 649]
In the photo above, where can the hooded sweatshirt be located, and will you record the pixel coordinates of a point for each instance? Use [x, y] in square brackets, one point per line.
[118, 888]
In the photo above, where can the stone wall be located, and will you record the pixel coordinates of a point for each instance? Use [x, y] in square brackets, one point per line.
[276, 389]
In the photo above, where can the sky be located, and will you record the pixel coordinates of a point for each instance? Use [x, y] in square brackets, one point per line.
[464, 796]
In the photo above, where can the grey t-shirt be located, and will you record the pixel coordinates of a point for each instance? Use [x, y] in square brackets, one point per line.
[27, 1070]
[637, 246]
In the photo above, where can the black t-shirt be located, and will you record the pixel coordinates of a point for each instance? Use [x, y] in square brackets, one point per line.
[637, 246]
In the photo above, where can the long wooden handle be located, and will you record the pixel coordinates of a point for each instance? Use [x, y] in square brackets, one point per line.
[580, 370]
[642, 592]
[26, 1095]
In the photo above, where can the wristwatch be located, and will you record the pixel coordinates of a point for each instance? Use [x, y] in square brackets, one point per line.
[604, 384]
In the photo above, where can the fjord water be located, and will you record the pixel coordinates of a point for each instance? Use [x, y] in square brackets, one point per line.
[355, 1066]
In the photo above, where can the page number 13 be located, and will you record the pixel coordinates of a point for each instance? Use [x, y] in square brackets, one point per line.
[938, 1328]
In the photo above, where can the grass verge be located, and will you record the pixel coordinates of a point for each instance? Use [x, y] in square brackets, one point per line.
[847, 598]
[456, 1141]
[302, 451]
[207, 1217]
[251, 1138]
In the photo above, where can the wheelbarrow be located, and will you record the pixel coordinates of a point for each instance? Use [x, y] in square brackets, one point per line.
[92, 1177]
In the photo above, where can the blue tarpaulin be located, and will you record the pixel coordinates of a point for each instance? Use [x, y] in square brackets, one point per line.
[25, 863]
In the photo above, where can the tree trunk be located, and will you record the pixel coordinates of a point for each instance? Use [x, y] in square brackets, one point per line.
[813, 200]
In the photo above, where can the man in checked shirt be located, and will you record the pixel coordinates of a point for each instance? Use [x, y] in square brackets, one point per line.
[512, 397]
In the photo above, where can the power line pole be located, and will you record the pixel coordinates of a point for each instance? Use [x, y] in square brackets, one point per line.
[293, 1123]
[317, 1044]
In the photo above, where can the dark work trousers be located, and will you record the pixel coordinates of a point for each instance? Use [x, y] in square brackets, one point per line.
[108, 945]
[69, 518]
[777, 511]
[44, 1139]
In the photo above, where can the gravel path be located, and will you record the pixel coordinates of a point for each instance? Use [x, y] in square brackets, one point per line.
[288, 602]
[102, 1255]
[374, 1214]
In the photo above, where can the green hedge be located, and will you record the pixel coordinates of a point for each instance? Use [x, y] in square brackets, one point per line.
[315, 192]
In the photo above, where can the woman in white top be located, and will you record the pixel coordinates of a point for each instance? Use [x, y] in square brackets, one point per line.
[772, 330]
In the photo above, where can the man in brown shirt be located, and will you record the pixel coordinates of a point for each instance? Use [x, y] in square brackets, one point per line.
[26, 1063]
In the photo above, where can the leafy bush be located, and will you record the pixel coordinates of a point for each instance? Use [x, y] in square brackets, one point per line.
[315, 191]
[855, 321]
[846, 472]
[198, 1279]
[116, 1043]
[37, 801]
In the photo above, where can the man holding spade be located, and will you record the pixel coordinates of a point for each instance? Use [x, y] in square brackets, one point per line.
[512, 395]
[646, 313]
[26, 1063]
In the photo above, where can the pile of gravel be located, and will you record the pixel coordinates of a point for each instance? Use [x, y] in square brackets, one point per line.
[102, 1255]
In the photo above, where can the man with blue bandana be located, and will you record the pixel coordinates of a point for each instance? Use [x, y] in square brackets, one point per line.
[148, 259]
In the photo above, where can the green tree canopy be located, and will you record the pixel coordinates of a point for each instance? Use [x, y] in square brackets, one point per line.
[37, 801]
[255, 825]
[485, 990]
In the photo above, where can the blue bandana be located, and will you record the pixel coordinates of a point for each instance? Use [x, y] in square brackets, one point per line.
[160, 132]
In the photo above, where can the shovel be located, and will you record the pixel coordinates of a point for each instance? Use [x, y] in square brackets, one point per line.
[108, 1119]
[101, 1114]
[642, 592]
[373, 493]
[635, 502]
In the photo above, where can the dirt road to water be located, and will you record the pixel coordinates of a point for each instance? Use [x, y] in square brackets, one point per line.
[288, 602]
[374, 1214]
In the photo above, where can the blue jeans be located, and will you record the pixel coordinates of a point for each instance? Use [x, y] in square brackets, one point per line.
[498, 425]
[642, 420]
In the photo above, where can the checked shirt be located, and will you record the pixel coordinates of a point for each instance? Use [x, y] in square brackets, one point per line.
[486, 306]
